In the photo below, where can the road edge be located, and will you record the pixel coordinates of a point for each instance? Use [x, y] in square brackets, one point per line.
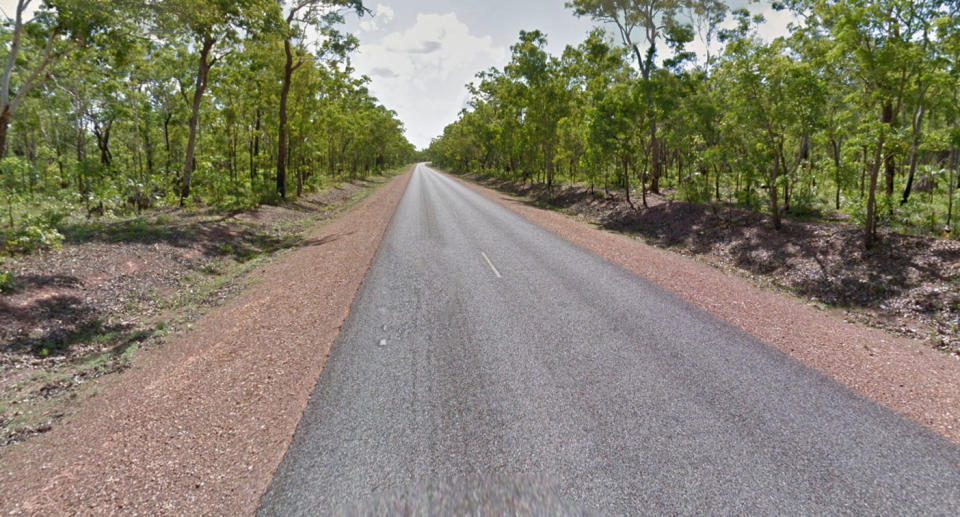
[901, 374]
[202, 426]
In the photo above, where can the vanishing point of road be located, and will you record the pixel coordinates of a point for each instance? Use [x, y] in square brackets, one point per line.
[488, 366]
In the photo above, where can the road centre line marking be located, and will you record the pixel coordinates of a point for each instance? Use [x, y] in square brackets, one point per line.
[494, 268]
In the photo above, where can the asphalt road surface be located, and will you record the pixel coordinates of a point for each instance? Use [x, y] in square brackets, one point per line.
[489, 366]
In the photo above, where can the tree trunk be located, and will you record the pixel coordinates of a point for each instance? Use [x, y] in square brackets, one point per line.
[914, 153]
[774, 202]
[716, 182]
[253, 167]
[656, 162]
[234, 143]
[148, 147]
[103, 142]
[4, 126]
[863, 174]
[952, 185]
[202, 71]
[299, 169]
[81, 139]
[283, 131]
[872, 199]
[626, 178]
[643, 187]
[837, 168]
[890, 164]
[166, 141]
[878, 159]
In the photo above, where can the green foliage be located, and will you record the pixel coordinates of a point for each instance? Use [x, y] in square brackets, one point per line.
[856, 110]
[34, 236]
[7, 282]
[103, 127]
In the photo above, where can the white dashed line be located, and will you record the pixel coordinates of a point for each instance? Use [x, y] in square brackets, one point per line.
[494, 268]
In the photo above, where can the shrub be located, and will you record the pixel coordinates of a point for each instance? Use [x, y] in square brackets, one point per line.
[34, 236]
[7, 281]
[54, 216]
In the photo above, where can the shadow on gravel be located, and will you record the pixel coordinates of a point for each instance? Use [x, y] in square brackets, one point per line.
[32, 282]
[327, 239]
[213, 238]
[61, 341]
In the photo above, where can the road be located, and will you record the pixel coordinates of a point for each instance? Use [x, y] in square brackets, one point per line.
[488, 366]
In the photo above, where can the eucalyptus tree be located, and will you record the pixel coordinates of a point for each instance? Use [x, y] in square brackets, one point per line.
[764, 83]
[115, 105]
[657, 20]
[596, 66]
[164, 69]
[38, 43]
[615, 131]
[498, 114]
[300, 17]
[207, 23]
[542, 91]
[951, 130]
[883, 44]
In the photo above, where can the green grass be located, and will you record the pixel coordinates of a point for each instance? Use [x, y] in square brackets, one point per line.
[138, 229]
[212, 268]
[7, 281]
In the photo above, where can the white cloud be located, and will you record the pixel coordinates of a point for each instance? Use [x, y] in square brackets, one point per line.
[9, 9]
[382, 16]
[421, 71]
[775, 25]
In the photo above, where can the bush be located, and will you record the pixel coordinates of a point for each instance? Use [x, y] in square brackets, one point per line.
[697, 188]
[7, 282]
[857, 209]
[35, 236]
[54, 216]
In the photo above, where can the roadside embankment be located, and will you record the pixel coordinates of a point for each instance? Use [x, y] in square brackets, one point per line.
[198, 426]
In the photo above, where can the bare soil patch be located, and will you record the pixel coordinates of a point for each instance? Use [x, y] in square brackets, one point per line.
[82, 312]
[905, 375]
[908, 285]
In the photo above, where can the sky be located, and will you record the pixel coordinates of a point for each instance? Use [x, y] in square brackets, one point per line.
[420, 54]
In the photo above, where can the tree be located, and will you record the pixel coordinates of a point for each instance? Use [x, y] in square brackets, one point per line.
[323, 16]
[57, 28]
[883, 43]
[206, 22]
[657, 19]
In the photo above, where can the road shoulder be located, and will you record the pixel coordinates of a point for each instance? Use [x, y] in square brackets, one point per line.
[902, 374]
[201, 425]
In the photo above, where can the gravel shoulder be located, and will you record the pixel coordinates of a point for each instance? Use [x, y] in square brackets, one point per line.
[198, 426]
[904, 374]
[122, 285]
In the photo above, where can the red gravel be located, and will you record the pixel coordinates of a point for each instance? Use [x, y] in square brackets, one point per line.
[200, 425]
[903, 374]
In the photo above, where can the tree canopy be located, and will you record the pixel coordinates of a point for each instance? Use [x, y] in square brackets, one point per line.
[853, 112]
[119, 105]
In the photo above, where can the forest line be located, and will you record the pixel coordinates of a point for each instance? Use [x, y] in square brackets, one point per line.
[854, 112]
[116, 106]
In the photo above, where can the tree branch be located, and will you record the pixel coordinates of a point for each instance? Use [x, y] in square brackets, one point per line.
[183, 92]
[14, 52]
[29, 83]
